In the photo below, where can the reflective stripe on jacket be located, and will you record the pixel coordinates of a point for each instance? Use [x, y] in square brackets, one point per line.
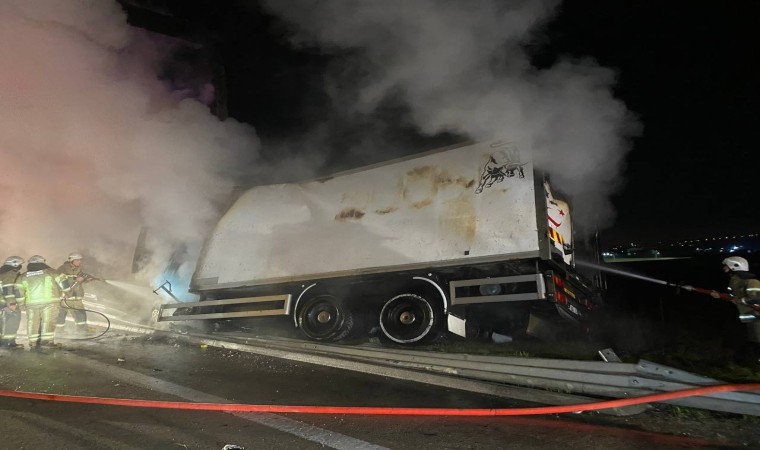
[744, 285]
[44, 286]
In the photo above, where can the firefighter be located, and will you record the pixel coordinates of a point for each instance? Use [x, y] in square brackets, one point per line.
[744, 289]
[72, 269]
[743, 285]
[10, 274]
[42, 288]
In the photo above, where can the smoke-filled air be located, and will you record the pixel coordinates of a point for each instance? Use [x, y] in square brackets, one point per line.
[462, 67]
[95, 147]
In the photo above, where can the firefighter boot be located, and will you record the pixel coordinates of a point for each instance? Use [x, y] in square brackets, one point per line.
[50, 345]
[10, 345]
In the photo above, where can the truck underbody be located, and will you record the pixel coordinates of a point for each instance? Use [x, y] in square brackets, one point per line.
[405, 307]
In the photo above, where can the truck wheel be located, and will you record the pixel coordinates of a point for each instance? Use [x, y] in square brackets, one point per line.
[408, 318]
[323, 318]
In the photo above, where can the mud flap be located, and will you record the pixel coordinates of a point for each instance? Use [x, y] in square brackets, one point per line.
[541, 328]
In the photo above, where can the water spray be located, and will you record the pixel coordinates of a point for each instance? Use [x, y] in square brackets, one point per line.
[624, 273]
[686, 287]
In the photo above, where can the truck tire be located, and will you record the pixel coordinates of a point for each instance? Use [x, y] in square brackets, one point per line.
[409, 318]
[324, 318]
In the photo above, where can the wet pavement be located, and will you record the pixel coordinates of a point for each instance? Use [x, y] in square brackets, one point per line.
[125, 365]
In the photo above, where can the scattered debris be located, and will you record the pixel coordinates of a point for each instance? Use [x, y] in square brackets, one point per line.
[120, 359]
[609, 355]
[233, 447]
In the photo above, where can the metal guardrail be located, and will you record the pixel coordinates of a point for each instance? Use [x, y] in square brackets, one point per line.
[594, 378]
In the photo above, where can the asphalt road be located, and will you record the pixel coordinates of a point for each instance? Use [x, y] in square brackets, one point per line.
[125, 365]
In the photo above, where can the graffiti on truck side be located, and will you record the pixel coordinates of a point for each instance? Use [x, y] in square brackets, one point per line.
[501, 165]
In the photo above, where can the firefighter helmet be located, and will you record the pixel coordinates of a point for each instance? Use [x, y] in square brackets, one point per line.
[14, 261]
[736, 264]
[36, 259]
[74, 256]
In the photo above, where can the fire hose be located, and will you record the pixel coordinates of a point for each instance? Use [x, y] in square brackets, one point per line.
[395, 411]
[719, 295]
[65, 304]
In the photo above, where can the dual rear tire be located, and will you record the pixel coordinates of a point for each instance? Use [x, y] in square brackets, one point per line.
[408, 318]
[325, 318]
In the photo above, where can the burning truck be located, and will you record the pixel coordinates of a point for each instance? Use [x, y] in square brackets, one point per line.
[465, 239]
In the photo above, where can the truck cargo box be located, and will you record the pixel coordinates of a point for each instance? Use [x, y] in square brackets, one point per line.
[456, 206]
[464, 235]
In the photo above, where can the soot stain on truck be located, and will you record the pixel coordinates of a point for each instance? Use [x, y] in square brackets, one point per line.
[421, 172]
[459, 218]
[423, 203]
[425, 182]
[444, 179]
[349, 214]
[418, 186]
[387, 210]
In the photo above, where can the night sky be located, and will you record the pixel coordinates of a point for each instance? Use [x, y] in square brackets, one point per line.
[686, 70]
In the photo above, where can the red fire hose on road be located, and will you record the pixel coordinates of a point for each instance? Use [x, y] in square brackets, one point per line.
[367, 410]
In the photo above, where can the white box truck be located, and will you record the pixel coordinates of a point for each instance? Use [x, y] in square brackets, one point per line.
[461, 239]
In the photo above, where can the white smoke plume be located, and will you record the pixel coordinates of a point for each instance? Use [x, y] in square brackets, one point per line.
[462, 67]
[93, 146]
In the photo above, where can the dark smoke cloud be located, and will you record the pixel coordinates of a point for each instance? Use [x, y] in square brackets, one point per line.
[462, 67]
[94, 147]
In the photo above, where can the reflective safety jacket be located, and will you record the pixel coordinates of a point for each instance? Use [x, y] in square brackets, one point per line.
[744, 285]
[42, 285]
[9, 279]
[72, 272]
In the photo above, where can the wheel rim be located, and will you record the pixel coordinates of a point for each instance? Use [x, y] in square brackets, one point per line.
[321, 317]
[407, 318]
